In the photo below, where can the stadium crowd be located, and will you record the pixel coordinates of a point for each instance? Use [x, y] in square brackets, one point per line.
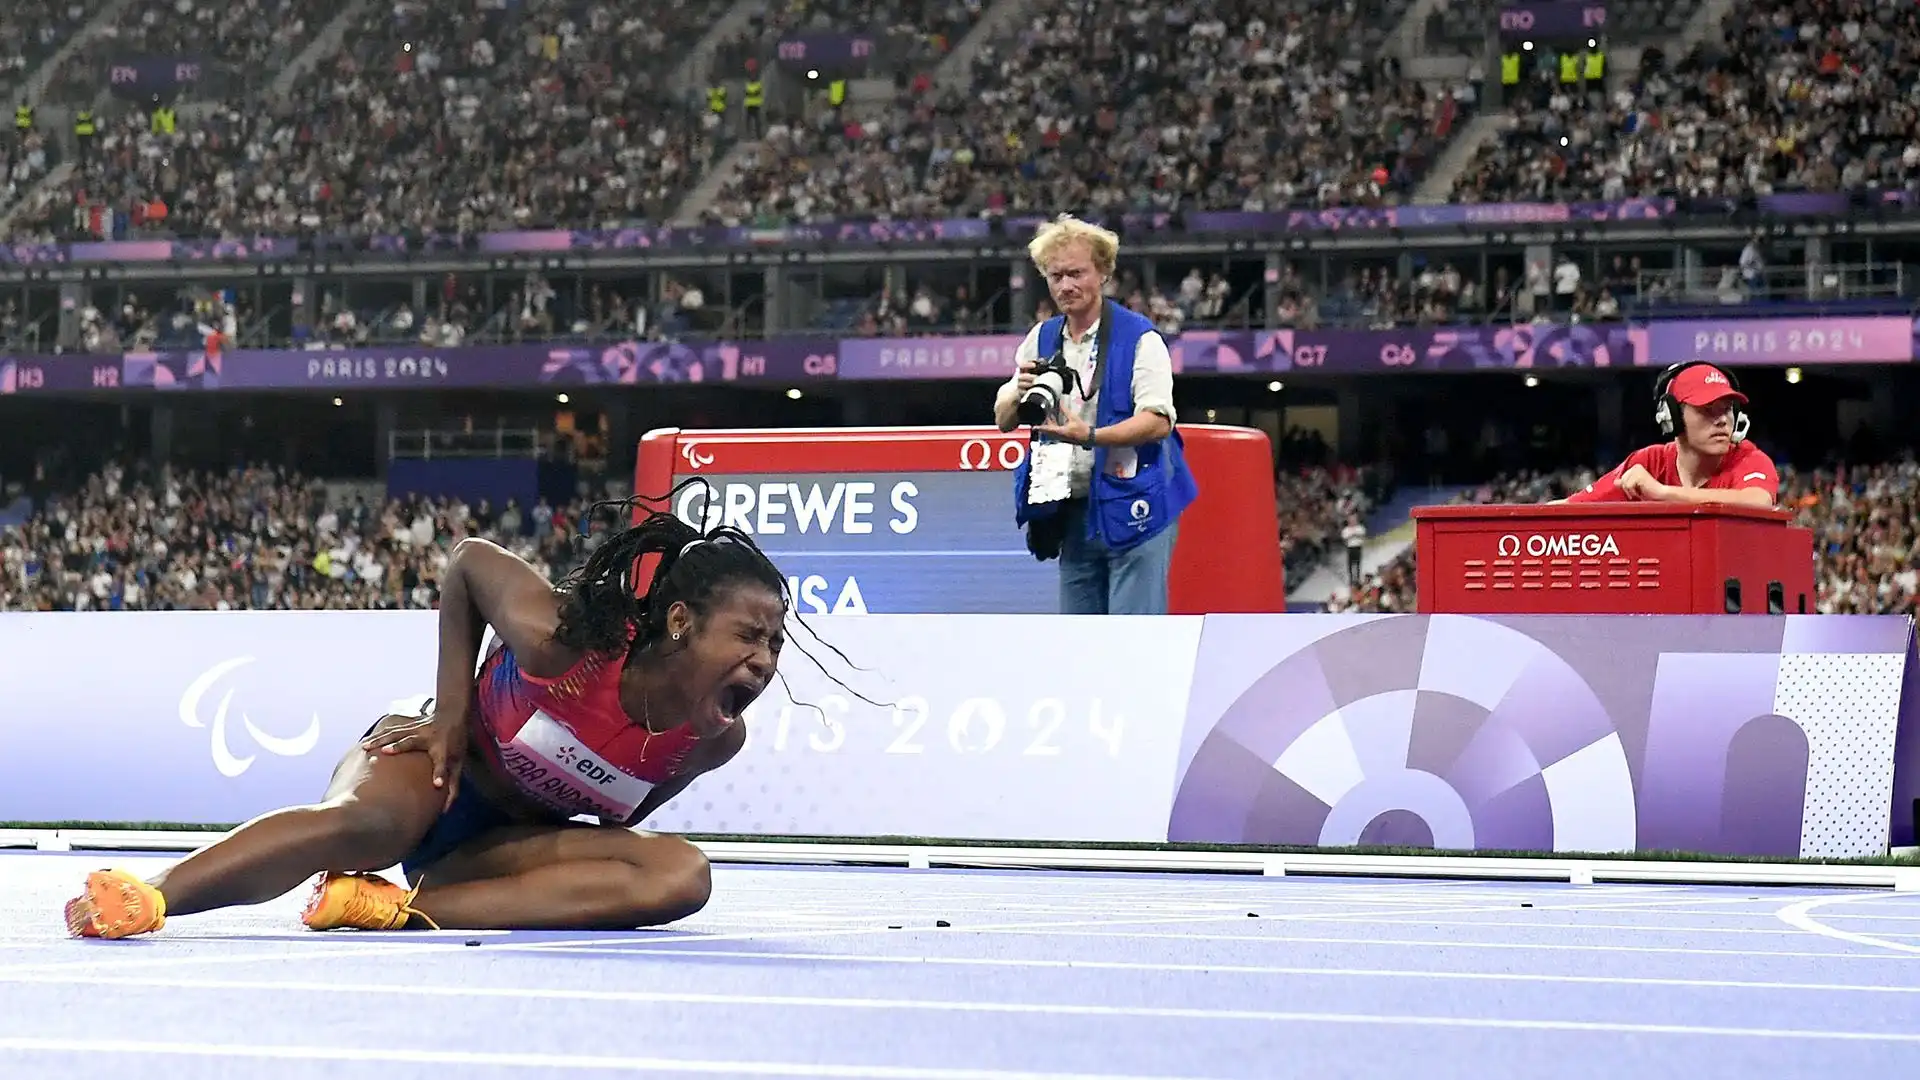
[463, 116]
[909, 34]
[138, 538]
[1792, 95]
[1212, 108]
[31, 33]
[478, 114]
[247, 40]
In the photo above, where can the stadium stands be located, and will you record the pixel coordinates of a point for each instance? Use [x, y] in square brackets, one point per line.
[242, 43]
[139, 539]
[134, 538]
[1235, 106]
[461, 116]
[908, 34]
[1866, 520]
[1785, 100]
[31, 32]
[1459, 27]
[477, 115]
[1314, 502]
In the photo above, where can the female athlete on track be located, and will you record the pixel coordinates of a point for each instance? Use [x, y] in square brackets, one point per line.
[594, 701]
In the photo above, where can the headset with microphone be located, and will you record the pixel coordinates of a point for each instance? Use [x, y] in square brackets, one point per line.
[1667, 409]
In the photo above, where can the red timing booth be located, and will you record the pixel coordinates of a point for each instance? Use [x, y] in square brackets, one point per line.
[1612, 559]
[921, 519]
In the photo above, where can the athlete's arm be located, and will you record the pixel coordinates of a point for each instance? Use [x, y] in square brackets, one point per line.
[487, 585]
[710, 757]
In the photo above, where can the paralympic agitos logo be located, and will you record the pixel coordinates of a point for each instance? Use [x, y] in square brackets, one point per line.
[229, 763]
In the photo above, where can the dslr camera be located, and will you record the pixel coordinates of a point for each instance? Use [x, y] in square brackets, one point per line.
[1049, 390]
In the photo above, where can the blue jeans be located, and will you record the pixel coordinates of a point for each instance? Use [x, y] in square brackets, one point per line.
[1095, 580]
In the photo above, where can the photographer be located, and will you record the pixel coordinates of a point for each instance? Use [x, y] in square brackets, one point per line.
[1105, 478]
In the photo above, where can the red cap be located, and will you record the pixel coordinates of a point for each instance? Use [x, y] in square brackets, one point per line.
[1702, 386]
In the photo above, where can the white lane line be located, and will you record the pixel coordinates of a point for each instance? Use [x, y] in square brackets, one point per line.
[1800, 917]
[1567, 927]
[1398, 974]
[1456, 943]
[1025, 1009]
[549, 1064]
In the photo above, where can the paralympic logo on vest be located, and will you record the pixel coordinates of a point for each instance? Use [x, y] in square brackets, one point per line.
[1540, 545]
[229, 763]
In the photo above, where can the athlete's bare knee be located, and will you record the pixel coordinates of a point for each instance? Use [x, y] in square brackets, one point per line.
[695, 884]
[672, 882]
[681, 881]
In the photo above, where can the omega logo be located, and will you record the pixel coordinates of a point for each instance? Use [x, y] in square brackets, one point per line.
[982, 454]
[1567, 544]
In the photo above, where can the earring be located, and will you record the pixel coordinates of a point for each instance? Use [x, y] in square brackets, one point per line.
[676, 635]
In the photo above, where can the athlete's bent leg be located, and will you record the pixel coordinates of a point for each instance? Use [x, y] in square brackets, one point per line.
[375, 809]
[565, 877]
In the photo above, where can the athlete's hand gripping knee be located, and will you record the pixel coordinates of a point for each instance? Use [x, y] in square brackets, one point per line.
[442, 736]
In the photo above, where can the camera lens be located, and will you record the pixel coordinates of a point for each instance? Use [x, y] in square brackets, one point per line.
[1034, 406]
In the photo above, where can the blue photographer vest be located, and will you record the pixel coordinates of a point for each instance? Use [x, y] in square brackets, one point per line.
[1122, 513]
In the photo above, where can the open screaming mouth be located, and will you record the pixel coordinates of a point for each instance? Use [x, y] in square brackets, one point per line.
[734, 698]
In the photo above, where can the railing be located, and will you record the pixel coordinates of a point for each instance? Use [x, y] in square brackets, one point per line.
[1838, 282]
[429, 444]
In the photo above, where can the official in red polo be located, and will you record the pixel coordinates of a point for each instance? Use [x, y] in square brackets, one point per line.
[1707, 459]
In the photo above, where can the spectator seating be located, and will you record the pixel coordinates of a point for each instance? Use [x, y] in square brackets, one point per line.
[238, 45]
[908, 34]
[139, 539]
[1233, 106]
[1315, 502]
[1865, 521]
[1776, 104]
[31, 32]
[1459, 27]
[465, 115]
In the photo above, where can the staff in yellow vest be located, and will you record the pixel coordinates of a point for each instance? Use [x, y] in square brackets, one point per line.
[162, 121]
[753, 101]
[717, 100]
[23, 119]
[837, 93]
[83, 132]
[1596, 67]
[1510, 69]
[1569, 68]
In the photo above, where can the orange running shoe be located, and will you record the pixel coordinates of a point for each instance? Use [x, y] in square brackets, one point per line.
[360, 902]
[115, 905]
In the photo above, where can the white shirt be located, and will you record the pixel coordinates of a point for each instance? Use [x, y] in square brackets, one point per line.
[1152, 390]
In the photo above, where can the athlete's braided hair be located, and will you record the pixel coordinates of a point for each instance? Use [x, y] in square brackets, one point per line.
[601, 600]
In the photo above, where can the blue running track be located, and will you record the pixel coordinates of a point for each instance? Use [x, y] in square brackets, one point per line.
[810, 972]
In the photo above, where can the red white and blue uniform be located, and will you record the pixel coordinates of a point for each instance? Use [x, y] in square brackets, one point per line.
[566, 743]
